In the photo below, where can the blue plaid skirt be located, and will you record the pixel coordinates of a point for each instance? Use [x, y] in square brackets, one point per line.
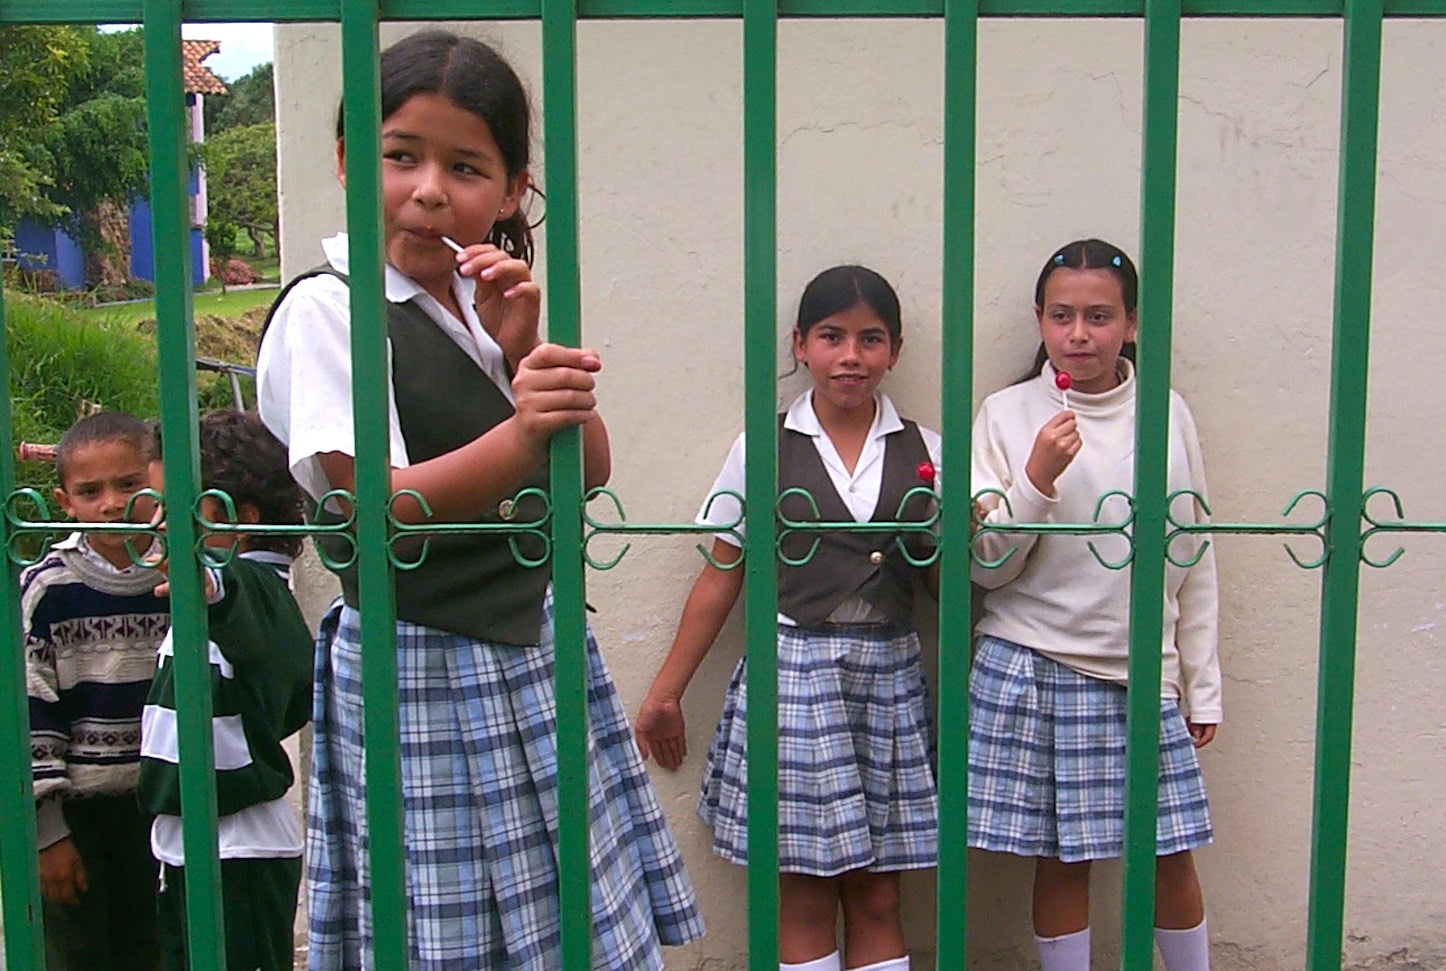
[855, 753]
[479, 777]
[1047, 762]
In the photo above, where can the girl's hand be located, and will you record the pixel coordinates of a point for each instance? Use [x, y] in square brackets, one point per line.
[1055, 447]
[1202, 735]
[553, 390]
[508, 302]
[62, 874]
[659, 731]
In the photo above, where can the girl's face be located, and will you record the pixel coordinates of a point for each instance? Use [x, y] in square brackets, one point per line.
[442, 175]
[1083, 324]
[847, 354]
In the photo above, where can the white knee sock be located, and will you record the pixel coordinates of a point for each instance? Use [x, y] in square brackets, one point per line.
[829, 962]
[1068, 952]
[1184, 950]
[892, 964]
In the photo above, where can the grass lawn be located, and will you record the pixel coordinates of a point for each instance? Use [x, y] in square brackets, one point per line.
[231, 304]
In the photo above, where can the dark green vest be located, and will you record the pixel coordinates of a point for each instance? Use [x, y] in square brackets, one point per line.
[470, 585]
[845, 562]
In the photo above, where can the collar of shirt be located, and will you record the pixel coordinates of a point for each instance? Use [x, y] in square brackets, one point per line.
[77, 542]
[802, 418]
[1118, 398]
[280, 561]
[468, 333]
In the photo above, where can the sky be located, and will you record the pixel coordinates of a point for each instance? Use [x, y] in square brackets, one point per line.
[243, 46]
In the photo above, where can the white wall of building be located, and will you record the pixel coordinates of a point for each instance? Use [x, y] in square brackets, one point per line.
[860, 163]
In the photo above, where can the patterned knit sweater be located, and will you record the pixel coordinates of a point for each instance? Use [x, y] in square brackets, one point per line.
[91, 633]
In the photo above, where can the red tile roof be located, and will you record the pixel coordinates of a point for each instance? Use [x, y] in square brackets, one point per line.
[198, 77]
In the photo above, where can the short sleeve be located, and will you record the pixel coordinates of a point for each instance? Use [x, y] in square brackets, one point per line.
[304, 380]
[722, 510]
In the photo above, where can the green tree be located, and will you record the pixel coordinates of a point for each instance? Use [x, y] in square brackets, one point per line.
[241, 182]
[39, 65]
[96, 149]
[251, 100]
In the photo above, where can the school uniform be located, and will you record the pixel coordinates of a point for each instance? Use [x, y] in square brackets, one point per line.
[1048, 695]
[856, 786]
[260, 654]
[475, 670]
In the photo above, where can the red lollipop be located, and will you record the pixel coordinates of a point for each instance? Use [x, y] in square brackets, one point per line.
[1062, 381]
[926, 473]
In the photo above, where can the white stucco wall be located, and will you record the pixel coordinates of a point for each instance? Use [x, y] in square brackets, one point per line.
[860, 157]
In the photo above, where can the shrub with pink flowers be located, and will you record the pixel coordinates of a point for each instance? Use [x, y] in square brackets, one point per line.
[234, 272]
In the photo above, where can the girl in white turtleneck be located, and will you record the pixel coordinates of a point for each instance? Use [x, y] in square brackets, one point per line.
[1048, 689]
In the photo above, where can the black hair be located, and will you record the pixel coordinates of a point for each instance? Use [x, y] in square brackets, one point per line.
[103, 426]
[1089, 254]
[477, 79]
[840, 287]
[240, 457]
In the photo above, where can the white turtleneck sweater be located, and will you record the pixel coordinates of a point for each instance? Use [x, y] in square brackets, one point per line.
[1052, 595]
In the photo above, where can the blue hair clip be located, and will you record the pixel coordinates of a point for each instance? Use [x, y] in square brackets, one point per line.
[1117, 261]
[1059, 259]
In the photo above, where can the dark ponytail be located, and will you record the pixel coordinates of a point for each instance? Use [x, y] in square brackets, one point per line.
[513, 235]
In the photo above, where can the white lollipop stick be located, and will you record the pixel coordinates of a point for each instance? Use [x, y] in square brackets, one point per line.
[455, 246]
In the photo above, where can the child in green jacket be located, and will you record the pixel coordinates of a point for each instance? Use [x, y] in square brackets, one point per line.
[261, 664]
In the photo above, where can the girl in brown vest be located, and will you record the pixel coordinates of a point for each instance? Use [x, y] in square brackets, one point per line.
[857, 802]
[474, 396]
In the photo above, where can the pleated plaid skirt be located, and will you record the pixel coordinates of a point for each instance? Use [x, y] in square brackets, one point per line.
[1047, 762]
[855, 755]
[479, 777]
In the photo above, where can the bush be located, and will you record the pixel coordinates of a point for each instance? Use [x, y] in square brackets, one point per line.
[31, 280]
[234, 272]
[61, 363]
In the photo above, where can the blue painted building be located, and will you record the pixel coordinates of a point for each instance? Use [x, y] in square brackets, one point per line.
[41, 247]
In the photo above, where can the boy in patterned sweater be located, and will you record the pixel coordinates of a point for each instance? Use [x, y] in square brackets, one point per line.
[92, 624]
[261, 661]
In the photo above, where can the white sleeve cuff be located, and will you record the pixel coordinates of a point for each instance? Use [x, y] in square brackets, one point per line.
[50, 825]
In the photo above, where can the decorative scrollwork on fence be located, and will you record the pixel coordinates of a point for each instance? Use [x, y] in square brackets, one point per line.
[901, 527]
[39, 524]
[1314, 528]
[597, 527]
[1376, 524]
[1094, 528]
[403, 534]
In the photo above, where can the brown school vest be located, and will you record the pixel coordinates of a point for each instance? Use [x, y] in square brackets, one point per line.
[470, 585]
[844, 563]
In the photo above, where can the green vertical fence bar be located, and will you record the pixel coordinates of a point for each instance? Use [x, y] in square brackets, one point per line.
[19, 876]
[171, 222]
[760, 376]
[1152, 456]
[1340, 585]
[564, 326]
[361, 103]
[961, 53]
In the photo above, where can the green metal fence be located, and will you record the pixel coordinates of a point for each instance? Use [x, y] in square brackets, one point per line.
[1341, 529]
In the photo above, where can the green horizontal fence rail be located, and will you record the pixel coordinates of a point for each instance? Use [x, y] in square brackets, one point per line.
[296, 11]
[1341, 527]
